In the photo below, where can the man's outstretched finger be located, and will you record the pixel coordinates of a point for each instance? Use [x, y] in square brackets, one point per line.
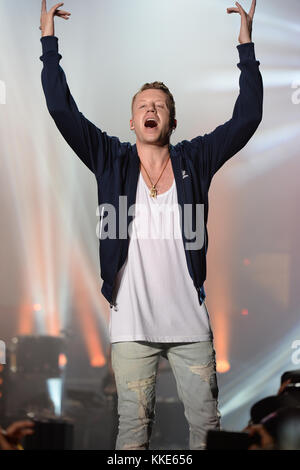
[240, 8]
[232, 10]
[62, 13]
[44, 6]
[252, 9]
[55, 7]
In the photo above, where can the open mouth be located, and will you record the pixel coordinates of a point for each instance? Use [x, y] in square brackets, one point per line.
[150, 123]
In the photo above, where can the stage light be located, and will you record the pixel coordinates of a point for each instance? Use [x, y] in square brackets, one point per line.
[62, 360]
[98, 361]
[37, 307]
[55, 386]
[246, 261]
[244, 311]
[223, 366]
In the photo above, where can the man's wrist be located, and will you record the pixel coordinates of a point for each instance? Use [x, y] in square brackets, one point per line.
[47, 33]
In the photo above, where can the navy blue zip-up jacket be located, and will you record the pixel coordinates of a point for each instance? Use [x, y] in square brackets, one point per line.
[116, 167]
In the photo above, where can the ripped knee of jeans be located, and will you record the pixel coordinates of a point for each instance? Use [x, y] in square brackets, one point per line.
[207, 372]
[144, 389]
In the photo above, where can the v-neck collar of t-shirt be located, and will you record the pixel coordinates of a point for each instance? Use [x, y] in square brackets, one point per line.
[158, 195]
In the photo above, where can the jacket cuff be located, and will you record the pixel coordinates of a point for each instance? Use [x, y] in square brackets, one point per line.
[246, 51]
[49, 43]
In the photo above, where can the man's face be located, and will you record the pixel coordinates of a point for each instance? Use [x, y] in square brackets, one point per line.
[151, 117]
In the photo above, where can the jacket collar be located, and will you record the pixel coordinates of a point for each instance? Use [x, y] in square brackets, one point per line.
[176, 165]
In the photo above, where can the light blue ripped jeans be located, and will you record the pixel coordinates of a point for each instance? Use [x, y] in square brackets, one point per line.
[135, 365]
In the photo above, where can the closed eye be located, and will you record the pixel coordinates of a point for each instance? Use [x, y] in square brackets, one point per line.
[159, 106]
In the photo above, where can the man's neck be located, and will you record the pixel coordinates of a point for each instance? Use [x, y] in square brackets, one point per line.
[153, 156]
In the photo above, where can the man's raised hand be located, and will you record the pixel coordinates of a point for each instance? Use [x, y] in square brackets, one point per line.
[246, 21]
[47, 18]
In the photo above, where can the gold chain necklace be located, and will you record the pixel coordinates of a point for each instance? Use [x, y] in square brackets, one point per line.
[153, 190]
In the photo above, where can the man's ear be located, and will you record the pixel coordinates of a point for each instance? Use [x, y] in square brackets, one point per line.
[173, 126]
[131, 125]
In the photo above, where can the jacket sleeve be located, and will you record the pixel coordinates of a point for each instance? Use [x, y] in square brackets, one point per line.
[95, 148]
[215, 148]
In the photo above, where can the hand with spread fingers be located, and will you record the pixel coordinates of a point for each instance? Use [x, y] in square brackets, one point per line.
[11, 438]
[266, 440]
[47, 18]
[246, 21]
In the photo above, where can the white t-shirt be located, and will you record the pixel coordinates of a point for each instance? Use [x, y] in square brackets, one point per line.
[154, 294]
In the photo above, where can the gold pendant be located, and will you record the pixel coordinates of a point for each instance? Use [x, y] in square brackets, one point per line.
[153, 192]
